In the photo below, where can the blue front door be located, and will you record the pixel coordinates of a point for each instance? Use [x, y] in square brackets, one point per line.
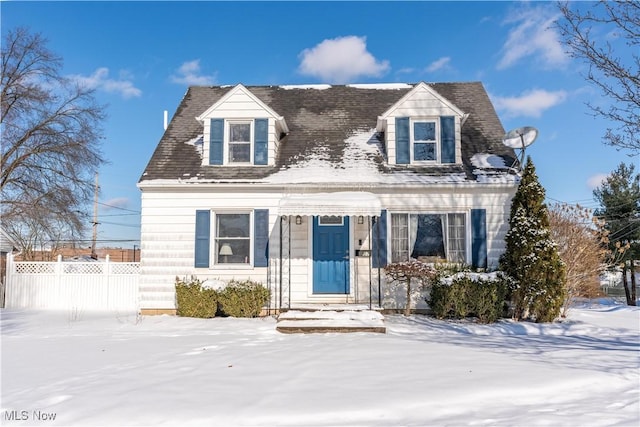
[330, 255]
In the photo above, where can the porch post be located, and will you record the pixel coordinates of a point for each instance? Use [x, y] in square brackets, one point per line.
[379, 270]
[370, 236]
[281, 263]
[289, 259]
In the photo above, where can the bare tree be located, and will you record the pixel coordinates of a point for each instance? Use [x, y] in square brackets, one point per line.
[50, 129]
[595, 34]
[408, 271]
[619, 198]
[583, 245]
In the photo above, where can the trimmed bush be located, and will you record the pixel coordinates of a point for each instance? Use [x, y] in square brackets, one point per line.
[468, 296]
[194, 300]
[243, 298]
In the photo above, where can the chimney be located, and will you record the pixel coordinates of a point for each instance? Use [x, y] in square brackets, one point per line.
[166, 119]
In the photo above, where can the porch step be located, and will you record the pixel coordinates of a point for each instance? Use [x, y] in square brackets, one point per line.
[333, 307]
[327, 320]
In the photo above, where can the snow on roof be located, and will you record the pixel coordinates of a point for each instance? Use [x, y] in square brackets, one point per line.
[485, 160]
[356, 163]
[384, 86]
[316, 86]
[357, 166]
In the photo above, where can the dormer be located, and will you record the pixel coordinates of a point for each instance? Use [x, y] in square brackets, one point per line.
[422, 128]
[241, 130]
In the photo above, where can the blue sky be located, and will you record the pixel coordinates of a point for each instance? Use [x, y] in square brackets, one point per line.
[141, 57]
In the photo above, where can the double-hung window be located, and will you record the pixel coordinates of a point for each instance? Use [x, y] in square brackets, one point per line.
[239, 238]
[232, 238]
[425, 144]
[239, 146]
[428, 237]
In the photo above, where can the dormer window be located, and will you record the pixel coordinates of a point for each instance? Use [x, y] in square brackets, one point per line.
[425, 144]
[238, 142]
[425, 140]
[239, 146]
[240, 130]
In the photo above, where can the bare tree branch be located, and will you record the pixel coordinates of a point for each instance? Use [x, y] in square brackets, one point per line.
[595, 33]
[51, 130]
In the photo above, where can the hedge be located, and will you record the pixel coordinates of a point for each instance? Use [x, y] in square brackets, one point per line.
[467, 296]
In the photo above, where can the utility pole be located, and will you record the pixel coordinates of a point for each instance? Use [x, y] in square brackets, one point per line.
[94, 255]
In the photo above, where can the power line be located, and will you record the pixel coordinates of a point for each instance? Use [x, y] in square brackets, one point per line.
[118, 207]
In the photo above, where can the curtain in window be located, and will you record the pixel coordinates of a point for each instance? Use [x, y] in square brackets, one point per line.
[399, 243]
[456, 238]
[443, 225]
[413, 232]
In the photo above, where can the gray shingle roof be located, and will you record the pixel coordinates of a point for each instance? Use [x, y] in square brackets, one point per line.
[322, 117]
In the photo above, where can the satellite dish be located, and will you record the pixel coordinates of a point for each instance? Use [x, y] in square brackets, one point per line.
[520, 139]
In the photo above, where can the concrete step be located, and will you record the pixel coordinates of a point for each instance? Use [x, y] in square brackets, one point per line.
[333, 307]
[321, 321]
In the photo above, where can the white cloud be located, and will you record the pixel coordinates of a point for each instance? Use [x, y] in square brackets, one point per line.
[341, 60]
[189, 74]
[530, 103]
[595, 181]
[533, 35]
[439, 64]
[100, 80]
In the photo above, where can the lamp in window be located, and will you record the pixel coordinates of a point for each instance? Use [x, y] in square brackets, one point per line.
[225, 252]
[298, 220]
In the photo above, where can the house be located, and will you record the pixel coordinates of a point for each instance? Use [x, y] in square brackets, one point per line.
[312, 190]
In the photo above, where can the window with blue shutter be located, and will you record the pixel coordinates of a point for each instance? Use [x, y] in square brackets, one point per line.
[260, 152]
[216, 142]
[479, 238]
[203, 233]
[402, 140]
[447, 139]
[261, 236]
[379, 235]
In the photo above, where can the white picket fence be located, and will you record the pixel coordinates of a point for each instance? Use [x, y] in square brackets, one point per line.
[72, 285]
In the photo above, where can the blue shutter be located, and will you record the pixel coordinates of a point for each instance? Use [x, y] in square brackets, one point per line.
[402, 140]
[203, 227]
[479, 238]
[261, 237]
[379, 246]
[216, 142]
[447, 139]
[260, 130]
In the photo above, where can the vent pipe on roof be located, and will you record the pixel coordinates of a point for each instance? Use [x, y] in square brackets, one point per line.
[166, 119]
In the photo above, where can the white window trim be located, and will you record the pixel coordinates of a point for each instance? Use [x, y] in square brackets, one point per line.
[214, 236]
[467, 229]
[227, 141]
[436, 121]
[322, 224]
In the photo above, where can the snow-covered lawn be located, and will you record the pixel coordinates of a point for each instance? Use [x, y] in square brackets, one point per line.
[88, 369]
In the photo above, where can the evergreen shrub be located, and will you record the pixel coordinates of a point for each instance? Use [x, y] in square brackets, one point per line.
[531, 258]
[468, 296]
[243, 298]
[194, 300]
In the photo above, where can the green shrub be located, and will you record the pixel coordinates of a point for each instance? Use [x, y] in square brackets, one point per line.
[243, 298]
[194, 300]
[466, 296]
